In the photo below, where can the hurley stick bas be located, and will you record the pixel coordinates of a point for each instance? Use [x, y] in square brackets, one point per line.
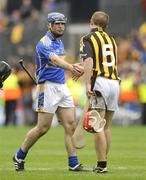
[78, 138]
[28, 73]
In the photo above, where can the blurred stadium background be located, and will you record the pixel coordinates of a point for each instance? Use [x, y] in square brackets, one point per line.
[23, 22]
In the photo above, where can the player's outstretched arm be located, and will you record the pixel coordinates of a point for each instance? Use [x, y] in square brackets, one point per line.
[76, 69]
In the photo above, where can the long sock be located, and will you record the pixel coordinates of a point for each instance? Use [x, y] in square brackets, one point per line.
[102, 164]
[73, 161]
[21, 154]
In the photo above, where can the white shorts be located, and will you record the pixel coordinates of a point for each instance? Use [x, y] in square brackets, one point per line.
[51, 95]
[110, 90]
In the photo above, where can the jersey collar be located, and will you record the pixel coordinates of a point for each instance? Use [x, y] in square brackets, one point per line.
[50, 35]
[97, 29]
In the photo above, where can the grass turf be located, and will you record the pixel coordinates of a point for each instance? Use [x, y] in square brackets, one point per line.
[48, 159]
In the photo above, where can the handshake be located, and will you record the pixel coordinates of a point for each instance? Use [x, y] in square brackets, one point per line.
[78, 71]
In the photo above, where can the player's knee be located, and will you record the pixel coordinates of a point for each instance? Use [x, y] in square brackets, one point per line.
[73, 126]
[107, 127]
[70, 127]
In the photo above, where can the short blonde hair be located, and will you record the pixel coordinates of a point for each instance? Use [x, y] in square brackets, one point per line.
[100, 18]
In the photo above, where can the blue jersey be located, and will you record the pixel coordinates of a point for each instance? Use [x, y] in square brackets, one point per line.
[45, 69]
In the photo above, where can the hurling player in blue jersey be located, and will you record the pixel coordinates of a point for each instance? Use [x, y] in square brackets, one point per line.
[53, 93]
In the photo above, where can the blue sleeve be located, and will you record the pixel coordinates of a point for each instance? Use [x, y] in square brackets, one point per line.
[44, 51]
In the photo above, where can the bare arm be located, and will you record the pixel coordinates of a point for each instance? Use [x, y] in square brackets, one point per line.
[61, 63]
[88, 66]
[76, 69]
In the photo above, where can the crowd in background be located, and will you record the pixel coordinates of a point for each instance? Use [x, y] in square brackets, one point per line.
[22, 26]
[132, 68]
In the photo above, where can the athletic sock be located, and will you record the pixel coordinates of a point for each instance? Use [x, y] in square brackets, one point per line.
[73, 161]
[102, 164]
[21, 154]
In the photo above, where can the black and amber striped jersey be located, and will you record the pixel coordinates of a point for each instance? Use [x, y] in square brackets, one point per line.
[103, 50]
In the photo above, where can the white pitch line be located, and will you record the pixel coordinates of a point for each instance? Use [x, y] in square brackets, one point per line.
[33, 169]
[51, 169]
[120, 167]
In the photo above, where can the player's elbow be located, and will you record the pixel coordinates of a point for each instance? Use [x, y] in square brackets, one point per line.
[55, 59]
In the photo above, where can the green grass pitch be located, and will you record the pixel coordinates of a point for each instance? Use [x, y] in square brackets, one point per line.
[47, 159]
